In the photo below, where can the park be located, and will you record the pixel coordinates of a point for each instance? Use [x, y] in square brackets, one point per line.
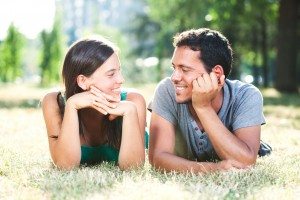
[263, 35]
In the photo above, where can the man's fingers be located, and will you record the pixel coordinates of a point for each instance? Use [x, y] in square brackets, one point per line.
[214, 80]
[221, 82]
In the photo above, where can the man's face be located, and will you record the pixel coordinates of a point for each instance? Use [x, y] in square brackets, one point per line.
[186, 67]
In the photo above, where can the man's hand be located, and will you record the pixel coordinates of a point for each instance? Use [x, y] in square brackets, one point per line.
[225, 165]
[205, 89]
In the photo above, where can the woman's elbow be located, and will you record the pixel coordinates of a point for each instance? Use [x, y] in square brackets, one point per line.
[66, 164]
[131, 165]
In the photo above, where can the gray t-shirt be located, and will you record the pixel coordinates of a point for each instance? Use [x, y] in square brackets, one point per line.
[242, 107]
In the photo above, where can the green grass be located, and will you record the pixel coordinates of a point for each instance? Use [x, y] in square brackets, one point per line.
[26, 171]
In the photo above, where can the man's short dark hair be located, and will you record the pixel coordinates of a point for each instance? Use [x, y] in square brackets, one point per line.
[213, 46]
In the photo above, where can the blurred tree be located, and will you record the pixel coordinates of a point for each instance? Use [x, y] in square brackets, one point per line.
[10, 55]
[51, 55]
[286, 73]
[248, 25]
[174, 16]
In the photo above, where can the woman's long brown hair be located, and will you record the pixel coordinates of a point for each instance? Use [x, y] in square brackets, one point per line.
[85, 57]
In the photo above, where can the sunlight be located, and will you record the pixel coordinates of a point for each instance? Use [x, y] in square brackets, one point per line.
[30, 16]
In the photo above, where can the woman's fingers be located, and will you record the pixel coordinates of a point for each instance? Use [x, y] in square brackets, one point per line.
[108, 97]
[101, 99]
[103, 107]
[101, 110]
[104, 103]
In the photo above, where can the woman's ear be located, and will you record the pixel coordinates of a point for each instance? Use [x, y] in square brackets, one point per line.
[82, 81]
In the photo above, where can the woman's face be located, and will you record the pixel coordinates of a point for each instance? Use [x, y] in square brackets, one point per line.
[108, 77]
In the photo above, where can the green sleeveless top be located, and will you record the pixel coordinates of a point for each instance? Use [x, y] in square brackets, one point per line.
[93, 155]
[98, 154]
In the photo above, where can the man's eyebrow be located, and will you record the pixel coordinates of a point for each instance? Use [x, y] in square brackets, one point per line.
[185, 66]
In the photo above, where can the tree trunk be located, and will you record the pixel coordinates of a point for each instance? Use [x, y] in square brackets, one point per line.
[286, 76]
[264, 51]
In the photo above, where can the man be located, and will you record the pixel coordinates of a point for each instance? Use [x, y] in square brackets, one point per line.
[198, 115]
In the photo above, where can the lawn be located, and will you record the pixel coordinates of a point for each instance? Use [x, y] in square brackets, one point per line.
[26, 171]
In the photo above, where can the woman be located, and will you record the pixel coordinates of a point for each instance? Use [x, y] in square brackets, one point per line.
[94, 120]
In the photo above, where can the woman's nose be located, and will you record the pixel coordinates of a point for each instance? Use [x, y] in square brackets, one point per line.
[120, 78]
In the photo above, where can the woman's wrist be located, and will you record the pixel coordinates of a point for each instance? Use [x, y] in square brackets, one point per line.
[71, 104]
[130, 109]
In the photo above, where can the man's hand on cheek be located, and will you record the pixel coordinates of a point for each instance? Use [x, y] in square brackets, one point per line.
[205, 89]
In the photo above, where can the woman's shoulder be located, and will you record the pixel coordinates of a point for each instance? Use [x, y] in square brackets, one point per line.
[50, 100]
[134, 95]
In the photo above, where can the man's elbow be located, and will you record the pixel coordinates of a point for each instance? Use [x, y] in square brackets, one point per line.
[249, 159]
[154, 160]
[150, 157]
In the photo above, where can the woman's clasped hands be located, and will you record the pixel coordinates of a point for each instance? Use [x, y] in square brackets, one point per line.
[102, 102]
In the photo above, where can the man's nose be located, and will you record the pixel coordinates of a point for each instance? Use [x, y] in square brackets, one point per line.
[176, 76]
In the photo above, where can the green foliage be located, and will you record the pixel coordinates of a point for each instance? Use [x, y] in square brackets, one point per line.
[10, 55]
[51, 55]
[249, 26]
[131, 72]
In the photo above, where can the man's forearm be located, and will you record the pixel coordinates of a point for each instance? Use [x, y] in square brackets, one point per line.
[225, 143]
[169, 162]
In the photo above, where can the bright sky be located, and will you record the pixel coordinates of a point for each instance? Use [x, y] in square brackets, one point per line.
[30, 16]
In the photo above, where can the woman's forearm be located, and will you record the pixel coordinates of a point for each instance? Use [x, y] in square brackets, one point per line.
[132, 152]
[66, 151]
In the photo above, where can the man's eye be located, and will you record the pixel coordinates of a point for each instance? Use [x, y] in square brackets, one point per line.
[111, 74]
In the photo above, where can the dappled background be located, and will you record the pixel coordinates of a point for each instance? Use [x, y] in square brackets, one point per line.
[35, 35]
[264, 35]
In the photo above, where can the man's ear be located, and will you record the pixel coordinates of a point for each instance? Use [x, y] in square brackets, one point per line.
[82, 82]
[218, 69]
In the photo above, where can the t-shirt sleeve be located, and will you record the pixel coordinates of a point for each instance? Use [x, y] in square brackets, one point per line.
[248, 109]
[163, 102]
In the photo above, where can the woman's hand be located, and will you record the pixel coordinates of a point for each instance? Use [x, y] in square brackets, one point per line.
[115, 108]
[88, 99]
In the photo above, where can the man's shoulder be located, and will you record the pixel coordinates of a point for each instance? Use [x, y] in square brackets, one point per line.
[166, 82]
[165, 86]
[238, 88]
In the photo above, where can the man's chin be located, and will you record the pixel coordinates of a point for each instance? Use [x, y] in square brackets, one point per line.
[181, 100]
